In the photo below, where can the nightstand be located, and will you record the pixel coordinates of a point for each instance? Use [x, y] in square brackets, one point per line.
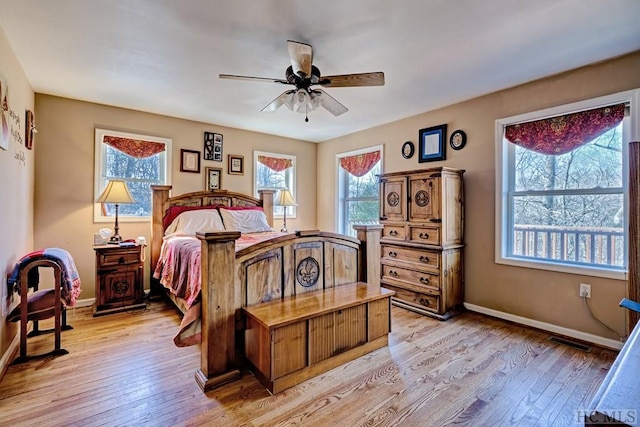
[119, 279]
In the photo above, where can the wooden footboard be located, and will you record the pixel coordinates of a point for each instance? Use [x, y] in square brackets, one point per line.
[290, 265]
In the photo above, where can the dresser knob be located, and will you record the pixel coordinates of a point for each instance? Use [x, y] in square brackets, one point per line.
[424, 236]
[121, 260]
[424, 280]
[393, 273]
[393, 233]
[424, 258]
[393, 254]
[424, 301]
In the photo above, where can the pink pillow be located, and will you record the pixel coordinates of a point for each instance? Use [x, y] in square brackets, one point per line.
[174, 211]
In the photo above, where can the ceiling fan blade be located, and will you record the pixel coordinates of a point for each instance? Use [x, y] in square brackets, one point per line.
[330, 103]
[285, 98]
[253, 79]
[347, 80]
[301, 55]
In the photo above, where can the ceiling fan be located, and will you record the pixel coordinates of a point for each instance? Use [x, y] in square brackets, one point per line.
[303, 75]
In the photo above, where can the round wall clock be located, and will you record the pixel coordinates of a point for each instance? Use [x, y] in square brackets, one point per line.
[458, 139]
[408, 149]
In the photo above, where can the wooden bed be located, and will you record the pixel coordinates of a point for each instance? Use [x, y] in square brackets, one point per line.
[279, 269]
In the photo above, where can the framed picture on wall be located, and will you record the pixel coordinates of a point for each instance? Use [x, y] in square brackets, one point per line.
[213, 146]
[213, 179]
[236, 164]
[432, 143]
[189, 161]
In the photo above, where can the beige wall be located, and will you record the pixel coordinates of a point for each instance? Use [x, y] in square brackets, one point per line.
[537, 294]
[16, 185]
[65, 173]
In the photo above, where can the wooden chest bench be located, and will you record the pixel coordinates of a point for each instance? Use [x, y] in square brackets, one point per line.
[291, 340]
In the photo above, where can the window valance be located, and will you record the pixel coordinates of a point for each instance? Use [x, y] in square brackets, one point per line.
[561, 134]
[277, 164]
[360, 164]
[137, 148]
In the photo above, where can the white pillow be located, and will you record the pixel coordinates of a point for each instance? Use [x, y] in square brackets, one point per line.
[190, 222]
[245, 221]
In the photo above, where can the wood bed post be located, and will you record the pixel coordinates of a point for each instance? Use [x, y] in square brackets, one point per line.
[159, 198]
[218, 295]
[266, 197]
[369, 262]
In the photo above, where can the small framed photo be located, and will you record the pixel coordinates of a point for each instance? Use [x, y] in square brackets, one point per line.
[189, 161]
[408, 149]
[432, 147]
[213, 146]
[213, 179]
[236, 165]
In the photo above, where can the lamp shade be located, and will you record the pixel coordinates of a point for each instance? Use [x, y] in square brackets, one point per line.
[285, 198]
[116, 191]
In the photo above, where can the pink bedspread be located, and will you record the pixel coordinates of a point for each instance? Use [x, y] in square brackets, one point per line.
[178, 269]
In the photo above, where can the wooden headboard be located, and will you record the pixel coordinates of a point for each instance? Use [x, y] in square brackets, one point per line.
[161, 202]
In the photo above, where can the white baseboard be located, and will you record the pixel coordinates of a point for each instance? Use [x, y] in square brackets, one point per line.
[84, 303]
[8, 355]
[583, 336]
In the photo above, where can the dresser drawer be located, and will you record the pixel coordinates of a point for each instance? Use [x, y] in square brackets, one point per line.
[394, 231]
[118, 257]
[426, 235]
[417, 278]
[420, 300]
[421, 257]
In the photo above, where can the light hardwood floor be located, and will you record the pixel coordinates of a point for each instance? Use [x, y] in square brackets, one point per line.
[123, 369]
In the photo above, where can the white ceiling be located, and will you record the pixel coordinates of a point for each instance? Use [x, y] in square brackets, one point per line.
[164, 56]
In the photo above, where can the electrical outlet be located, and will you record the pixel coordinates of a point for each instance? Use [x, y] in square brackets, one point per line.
[585, 290]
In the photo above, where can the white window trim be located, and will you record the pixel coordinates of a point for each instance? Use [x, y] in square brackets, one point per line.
[340, 181]
[504, 149]
[99, 135]
[292, 212]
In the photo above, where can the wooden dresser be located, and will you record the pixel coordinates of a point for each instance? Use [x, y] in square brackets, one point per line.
[422, 212]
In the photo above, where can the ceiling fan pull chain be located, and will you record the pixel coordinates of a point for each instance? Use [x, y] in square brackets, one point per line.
[306, 113]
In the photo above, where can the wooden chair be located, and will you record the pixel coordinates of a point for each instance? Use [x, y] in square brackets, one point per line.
[41, 305]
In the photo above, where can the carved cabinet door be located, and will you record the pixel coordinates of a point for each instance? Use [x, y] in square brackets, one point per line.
[424, 190]
[393, 206]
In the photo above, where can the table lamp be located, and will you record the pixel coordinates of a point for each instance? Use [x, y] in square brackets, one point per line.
[285, 199]
[115, 192]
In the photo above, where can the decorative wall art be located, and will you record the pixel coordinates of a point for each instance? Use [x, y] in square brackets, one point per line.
[236, 165]
[458, 139]
[408, 149]
[4, 113]
[213, 146]
[29, 129]
[432, 146]
[189, 161]
[213, 179]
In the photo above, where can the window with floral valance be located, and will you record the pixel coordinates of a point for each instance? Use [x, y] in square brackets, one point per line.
[139, 160]
[358, 195]
[274, 171]
[562, 199]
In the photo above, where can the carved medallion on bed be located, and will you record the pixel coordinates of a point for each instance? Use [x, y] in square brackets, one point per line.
[235, 273]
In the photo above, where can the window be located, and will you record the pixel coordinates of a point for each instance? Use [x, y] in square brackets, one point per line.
[275, 172]
[358, 189]
[139, 160]
[561, 199]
